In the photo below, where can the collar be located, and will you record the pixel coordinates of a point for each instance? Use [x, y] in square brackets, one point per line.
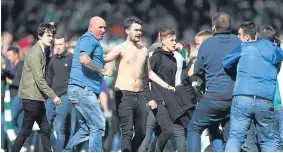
[89, 33]
[42, 47]
[222, 32]
[63, 55]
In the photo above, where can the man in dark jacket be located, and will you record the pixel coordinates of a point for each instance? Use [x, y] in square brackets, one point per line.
[163, 63]
[254, 89]
[58, 73]
[214, 107]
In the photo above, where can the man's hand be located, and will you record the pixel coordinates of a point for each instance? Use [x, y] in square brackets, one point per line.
[57, 100]
[152, 104]
[9, 81]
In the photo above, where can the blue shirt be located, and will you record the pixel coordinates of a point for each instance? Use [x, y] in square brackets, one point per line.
[257, 68]
[81, 75]
[219, 86]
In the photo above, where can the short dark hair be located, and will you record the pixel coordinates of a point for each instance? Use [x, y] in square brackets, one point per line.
[60, 36]
[14, 49]
[130, 20]
[266, 32]
[166, 32]
[161, 29]
[249, 28]
[46, 27]
[222, 21]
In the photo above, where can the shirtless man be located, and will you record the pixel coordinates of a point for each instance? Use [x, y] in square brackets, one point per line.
[132, 61]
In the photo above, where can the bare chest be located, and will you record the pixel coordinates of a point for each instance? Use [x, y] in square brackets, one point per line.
[133, 59]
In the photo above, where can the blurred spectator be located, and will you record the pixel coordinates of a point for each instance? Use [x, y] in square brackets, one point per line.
[187, 17]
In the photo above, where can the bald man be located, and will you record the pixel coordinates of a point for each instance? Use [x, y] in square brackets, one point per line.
[86, 75]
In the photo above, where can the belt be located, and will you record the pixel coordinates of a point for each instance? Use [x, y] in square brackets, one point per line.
[84, 87]
[258, 98]
[226, 101]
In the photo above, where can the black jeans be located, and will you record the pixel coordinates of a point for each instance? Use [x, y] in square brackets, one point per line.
[132, 112]
[164, 121]
[33, 111]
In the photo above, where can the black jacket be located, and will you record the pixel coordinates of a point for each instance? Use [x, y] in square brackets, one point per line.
[164, 65]
[58, 73]
[184, 99]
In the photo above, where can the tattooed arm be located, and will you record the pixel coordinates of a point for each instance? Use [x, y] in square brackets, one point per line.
[87, 62]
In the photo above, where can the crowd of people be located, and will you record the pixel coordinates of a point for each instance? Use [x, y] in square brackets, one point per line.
[79, 97]
[186, 17]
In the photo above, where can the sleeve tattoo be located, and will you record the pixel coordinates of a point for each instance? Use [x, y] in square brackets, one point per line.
[87, 62]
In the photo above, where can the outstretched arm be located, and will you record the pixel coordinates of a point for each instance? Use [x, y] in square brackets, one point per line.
[112, 55]
[230, 62]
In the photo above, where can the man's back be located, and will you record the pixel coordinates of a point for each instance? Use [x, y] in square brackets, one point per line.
[130, 65]
[257, 70]
[219, 85]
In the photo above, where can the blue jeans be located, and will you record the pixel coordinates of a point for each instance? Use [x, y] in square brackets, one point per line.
[73, 122]
[244, 109]
[59, 113]
[215, 136]
[17, 113]
[278, 129]
[208, 114]
[251, 144]
[91, 119]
